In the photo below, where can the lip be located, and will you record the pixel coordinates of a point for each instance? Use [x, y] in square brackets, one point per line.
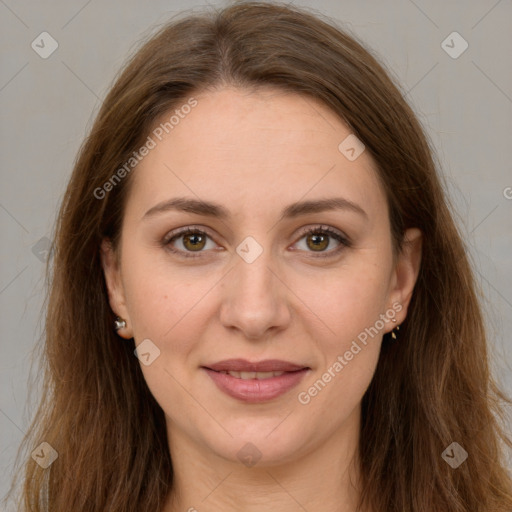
[256, 390]
[242, 365]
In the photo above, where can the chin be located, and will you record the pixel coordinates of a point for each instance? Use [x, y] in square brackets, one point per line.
[263, 443]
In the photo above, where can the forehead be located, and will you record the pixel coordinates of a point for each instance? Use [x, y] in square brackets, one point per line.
[254, 150]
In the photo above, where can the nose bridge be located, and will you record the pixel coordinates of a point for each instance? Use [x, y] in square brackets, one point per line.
[253, 279]
[255, 299]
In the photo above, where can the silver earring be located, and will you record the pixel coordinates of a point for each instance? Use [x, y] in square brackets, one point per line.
[119, 323]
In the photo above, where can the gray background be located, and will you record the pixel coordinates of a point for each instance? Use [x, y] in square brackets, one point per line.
[48, 105]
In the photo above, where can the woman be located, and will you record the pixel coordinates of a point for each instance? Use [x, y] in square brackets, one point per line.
[259, 299]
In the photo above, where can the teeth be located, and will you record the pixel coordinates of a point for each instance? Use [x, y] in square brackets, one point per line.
[253, 375]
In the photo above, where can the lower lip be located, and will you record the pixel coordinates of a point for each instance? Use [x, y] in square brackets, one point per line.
[254, 390]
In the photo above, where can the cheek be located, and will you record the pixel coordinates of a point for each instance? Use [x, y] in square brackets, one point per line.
[336, 392]
[349, 309]
[167, 307]
[349, 348]
[160, 298]
[345, 302]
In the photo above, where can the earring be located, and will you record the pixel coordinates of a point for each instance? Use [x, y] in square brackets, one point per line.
[393, 335]
[119, 323]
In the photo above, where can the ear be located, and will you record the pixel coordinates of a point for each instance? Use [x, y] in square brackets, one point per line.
[116, 297]
[406, 272]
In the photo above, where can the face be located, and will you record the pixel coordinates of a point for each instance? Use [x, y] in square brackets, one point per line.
[307, 292]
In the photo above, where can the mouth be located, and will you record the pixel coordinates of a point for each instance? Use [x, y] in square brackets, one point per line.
[242, 365]
[253, 375]
[255, 382]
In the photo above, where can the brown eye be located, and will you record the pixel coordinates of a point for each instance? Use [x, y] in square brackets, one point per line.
[194, 241]
[318, 241]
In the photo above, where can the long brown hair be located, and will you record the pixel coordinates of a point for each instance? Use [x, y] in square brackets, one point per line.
[431, 388]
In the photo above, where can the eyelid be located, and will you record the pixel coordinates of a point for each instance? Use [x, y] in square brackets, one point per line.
[184, 230]
[323, 228]
[343, 239]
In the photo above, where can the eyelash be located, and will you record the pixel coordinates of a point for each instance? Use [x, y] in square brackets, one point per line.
[344, 241]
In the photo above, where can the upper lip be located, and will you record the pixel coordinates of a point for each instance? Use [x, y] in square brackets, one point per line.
[242, 365]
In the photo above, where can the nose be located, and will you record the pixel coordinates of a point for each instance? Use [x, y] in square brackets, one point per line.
[254, 299]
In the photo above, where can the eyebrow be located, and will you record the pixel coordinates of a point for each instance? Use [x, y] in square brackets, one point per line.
[210, 209]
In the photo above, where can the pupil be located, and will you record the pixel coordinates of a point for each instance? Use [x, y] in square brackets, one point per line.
[319, 241]
[194, 239]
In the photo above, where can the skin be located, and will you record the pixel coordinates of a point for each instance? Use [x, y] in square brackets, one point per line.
[255, 153]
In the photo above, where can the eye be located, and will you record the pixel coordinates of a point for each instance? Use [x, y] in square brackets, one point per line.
[318, 239]
[193, 241]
